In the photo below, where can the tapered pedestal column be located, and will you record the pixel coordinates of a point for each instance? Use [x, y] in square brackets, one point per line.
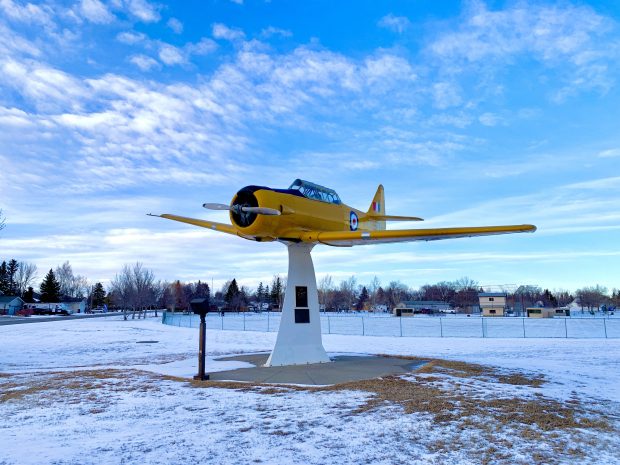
[299, 337]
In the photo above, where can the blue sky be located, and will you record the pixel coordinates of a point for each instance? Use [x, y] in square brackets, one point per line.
[469, 113]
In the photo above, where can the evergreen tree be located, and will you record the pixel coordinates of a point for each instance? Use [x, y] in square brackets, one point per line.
[362, 299]
[202, 290]
[232, 294]
[260, 295]
[11, 270]
[98, 295]
[50, 288]
[29, 295]
[276, 290]
[4, 279]
[381, 297]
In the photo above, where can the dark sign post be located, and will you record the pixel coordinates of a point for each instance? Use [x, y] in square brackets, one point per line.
[200, 307]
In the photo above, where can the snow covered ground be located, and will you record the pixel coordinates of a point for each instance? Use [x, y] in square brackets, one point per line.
[102, 391]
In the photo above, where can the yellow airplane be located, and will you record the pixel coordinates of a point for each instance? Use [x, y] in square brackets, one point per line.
[307, 212]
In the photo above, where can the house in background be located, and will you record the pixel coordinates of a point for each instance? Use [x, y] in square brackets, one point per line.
[10, 304]
[492, 303]
[414, 307]
[73, 304]
[540, 312]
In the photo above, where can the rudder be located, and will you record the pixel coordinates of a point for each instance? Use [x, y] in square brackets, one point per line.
[377, 207]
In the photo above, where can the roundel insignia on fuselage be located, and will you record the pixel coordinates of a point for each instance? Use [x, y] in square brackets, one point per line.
[353, 221]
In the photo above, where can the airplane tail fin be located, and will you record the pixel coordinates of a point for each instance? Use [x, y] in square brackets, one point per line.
[377, 208]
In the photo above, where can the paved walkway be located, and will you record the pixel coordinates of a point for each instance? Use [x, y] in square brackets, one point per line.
[342, 369]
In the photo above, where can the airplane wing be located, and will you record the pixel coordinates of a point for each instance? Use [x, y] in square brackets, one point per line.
[221, 227]
[350, 238]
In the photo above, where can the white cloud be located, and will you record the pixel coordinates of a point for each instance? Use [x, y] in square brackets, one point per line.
[47, 87]
[203, 47]
[397, 24]
[140, 9]
[604, 183]
[175, 25]
[28, 13]
[12, 43]
[130, 37]
[171, 55]
[490, 119]
[221, 31]
[238, 2]
[446, 94]
[563, 38]
[610, 153]
[387, 67]
[144, 62]
[275, 31]
[96, 12]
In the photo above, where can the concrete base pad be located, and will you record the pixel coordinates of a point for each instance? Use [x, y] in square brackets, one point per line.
[342, 369]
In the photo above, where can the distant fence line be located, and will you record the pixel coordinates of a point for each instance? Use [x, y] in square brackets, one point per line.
[359, 325]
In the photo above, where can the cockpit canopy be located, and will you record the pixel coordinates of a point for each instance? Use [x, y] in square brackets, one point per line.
[315, 192]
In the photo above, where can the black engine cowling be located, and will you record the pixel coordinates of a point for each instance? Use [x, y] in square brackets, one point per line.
[244, 198]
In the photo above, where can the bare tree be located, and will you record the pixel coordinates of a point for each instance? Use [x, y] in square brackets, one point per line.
[121, 289]
[25, 276]
[373, 287]
[326, 287]
[143, 289]
[347, 289]
[592, 297]
[396, 292]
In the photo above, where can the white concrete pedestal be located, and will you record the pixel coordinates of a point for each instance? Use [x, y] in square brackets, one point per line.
[299, 343]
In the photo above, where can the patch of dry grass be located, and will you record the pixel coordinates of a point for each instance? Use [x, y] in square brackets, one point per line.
[447, 392]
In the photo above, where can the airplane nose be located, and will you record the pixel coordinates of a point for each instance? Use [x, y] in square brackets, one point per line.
[244, 198]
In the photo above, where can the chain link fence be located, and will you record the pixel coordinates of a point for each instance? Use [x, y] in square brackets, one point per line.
[418, 326]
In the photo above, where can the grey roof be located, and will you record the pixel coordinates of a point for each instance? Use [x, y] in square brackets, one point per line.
[9, 298]
[424, 302]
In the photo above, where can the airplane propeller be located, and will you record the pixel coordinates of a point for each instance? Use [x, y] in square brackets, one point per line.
[240, 208]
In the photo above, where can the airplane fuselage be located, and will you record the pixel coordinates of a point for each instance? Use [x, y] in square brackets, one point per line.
[297, 213]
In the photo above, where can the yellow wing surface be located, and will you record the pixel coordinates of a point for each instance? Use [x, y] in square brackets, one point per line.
[221, 227]
[350, 238]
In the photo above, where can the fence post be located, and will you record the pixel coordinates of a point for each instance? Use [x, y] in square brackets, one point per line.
[565, 329]
[605, 326]
[222, 316]
[268, 321]
[363, 329]
[244, 321]
[440, 327]
[523, 321]
[329, 325]
[400, 321]
[482, 321]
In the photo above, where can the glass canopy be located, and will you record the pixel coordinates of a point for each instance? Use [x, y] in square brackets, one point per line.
[315, 192]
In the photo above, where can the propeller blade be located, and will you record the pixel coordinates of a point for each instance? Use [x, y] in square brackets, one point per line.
[261, 211]
[216, 206]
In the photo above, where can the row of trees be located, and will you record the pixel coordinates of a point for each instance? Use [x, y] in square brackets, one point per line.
[18, 278]
[135, 289]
